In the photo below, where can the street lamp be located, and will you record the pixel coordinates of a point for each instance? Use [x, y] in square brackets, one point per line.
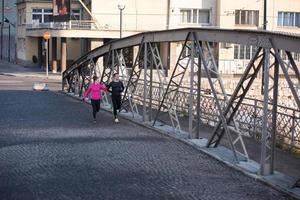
[121, 6]
[9, 24]
[265, 15]
[2, 24]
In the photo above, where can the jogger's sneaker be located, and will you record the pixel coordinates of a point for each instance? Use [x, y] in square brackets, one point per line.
[117, 120]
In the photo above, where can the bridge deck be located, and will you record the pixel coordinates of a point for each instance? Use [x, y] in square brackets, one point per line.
[50, 149]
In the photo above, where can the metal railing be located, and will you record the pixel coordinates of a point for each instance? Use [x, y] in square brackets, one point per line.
[70, 25]
[249, 116]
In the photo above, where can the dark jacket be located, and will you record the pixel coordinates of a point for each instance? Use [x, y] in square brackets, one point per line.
[116, 88]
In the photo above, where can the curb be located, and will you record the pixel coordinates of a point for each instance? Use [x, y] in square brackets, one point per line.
[31, 75]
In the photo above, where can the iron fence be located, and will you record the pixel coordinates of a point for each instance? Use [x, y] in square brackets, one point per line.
[249, 116]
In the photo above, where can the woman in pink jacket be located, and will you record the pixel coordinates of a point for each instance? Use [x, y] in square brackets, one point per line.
[95, 91]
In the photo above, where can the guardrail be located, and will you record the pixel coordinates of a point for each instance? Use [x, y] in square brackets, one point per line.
[70, 25]
[249, 116]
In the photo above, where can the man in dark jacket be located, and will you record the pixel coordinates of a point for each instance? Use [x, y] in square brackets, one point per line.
[116, 87]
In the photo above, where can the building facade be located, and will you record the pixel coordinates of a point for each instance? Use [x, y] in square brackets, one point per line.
[91, 25]
[95, 22]
[9, 30]
[282, 16]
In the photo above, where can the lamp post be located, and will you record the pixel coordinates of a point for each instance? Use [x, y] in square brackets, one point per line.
[9, 36]
[7, 21]
[264, 28]
[2, 24]
[121, 6]
[265, 15]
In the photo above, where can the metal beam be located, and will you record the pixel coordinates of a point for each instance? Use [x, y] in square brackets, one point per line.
[107, 70]
[206, 66]
[286, 74]
[265, 123]
[128, 97]
[169, 98]
[237, 98]
[287, 42]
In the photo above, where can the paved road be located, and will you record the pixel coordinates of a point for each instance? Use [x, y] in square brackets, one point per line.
[50, 149]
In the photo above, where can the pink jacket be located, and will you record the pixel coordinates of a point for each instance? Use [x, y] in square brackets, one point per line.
[95, 90]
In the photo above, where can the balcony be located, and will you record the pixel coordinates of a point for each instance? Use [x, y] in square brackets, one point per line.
[70, 25]
[77, 29]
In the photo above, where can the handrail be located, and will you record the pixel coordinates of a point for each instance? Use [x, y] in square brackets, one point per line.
[70, 25]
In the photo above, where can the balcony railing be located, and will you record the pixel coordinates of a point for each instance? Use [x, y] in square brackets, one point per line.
[70, 25]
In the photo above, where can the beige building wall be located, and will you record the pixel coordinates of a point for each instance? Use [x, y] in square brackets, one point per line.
[176, 22]
[142, 15]
[73, 48]
[232, 68]
[226, 19]
[31, 47]
[176, 5]
[27, 46]
[276, 6]
[226, 13]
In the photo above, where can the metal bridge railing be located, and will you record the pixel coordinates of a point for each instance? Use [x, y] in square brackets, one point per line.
[249, 116]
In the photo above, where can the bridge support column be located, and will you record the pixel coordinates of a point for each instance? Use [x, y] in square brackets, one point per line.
[147, 101]
[63, 54]
[54, 55]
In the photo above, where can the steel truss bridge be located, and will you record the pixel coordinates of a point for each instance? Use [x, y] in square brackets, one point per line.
[150, 93]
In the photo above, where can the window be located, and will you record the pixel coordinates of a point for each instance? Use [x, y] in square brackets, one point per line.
[204, 17]
[254, 49]
[48, 15]
[42, 15]
[185, 16]
[236, 51]
[76, 14]
[244, 52]
[248, 52]
[296, 56]
[284, 56]
[195, 16]
[247, 17]
[291, 19]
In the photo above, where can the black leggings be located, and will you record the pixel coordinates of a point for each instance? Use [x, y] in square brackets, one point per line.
[116, 101]
[96, 107]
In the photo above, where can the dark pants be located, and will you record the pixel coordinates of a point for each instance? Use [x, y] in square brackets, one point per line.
[116, 101]
[96, 107]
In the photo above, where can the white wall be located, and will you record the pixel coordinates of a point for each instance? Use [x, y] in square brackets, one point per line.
[282, 6]
[226, 15]
[176, 5]
[138, 15]
[226, 19]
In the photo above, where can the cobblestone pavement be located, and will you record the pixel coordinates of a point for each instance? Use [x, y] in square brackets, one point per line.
[50, 149]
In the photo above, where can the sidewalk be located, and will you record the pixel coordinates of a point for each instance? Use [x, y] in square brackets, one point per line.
[10, 69]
